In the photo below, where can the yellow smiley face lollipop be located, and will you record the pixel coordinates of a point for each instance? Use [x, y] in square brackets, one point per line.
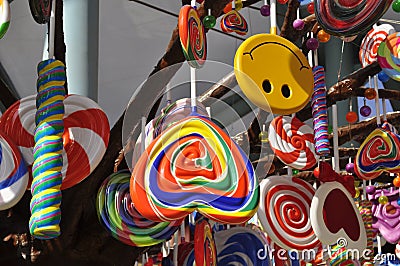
[274, 74]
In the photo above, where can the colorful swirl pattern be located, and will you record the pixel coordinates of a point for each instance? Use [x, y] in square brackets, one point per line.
[47, 153]
[365, 208]
[85, 138]
[4, 17]
[193, 36]
[119, 216]
[320, 112]
[292, 142]
[241, 246]
[389, 56]
[13, 173]
[386, 218]
[204, 245]
[233, 21]
[195, 165]
[370, 44]
[378, 153]
[171, 114]
[348, 18]
[284, 212]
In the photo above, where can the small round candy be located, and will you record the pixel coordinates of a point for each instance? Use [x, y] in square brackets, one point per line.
[350, 168]
[263, 136]
[383, 200]
[295, 171]
[323, 36]
[370, 94]
[351, 117]
[398, 201]
[382, 76]
[265, 10]
[365, 111]
[396, 6]
[209, 21]
[370, 190]
[312, 44]
[282, 1]
[396, 181]
[310, 8]
[316, 172]
[298, 24]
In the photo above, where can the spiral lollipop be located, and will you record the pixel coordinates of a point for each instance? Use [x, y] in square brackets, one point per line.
[320, 112]
[233, 21]
[348, 18]
[194, 165]
[119, 216]
[389, 56]
[13, 173]
[47, 153]
[241, 246]
[204, 245]
[193, 36]
[293, 142]
[370, 44]
[284, 212]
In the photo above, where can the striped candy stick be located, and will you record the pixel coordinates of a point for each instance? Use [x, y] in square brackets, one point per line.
[320, 112]
[48, 161]
[365, 207]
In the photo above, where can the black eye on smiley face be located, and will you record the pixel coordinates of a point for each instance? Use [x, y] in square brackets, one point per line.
[274, 74]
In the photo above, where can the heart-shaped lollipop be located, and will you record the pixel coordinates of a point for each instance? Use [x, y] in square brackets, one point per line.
[336, 219]
[194, 165]
[233, 21]
[386, 217]
[379, 152]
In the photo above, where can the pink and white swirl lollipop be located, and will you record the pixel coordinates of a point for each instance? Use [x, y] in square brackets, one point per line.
[284, 212]
[85, 137]
[370, 44]
[292, 142]
[13, 173]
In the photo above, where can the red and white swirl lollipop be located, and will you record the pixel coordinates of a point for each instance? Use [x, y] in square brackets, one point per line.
[292, 142]
[85, 137]
[13, 173]
[370, 44]
[284, 212]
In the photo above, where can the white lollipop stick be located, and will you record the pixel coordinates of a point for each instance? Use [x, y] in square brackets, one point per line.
[175, 255]
[183, 233]
[52, 30]
[335, 138]
[193, 3]
[273, 17]
[233, 5]
[143, 259]
[384, 108]
[377, 107]
[168, 89]
[193, 91]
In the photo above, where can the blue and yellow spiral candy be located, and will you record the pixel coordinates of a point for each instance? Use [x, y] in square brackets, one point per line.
[47, 178]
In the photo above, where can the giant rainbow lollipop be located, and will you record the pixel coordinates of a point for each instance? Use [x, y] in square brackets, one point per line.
[194, 165]
[47, 165]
